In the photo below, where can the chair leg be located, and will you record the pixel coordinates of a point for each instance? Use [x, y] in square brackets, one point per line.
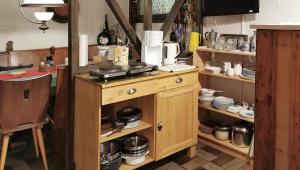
[4, 151]
[36, 145]
[42, 147]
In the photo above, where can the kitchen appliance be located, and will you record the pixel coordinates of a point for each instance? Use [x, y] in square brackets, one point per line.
[135, 149]
[171, 51]
[222, 132]
[112, 72]
[152, 48]
[110, 156]
[221, 7]
[211, 38]
[241, 134]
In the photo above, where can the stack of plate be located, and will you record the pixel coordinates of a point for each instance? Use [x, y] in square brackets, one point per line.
[248, 74]
[223, 102]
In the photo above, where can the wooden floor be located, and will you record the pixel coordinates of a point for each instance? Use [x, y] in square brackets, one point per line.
[22, 157]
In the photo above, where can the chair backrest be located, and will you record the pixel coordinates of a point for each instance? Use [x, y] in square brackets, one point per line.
[23, 102]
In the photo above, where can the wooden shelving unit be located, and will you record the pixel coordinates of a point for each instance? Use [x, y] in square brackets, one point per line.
[142, 126]
[237, 88]
[234, 52]
[227, 113]
[224, 146]
[220, 75]
[125, 166]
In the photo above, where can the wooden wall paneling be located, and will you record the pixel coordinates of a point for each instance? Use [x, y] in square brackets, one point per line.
[73, 53]
[125, 24]
[294, 120]
[147, 15]
[265, 95]
[87, 125]
[171, 16]
[4, 59]
[283, 82]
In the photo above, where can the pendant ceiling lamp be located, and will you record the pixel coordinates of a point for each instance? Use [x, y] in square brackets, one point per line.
[42, 17]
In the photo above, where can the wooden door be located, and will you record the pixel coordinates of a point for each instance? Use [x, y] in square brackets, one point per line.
[174, 121]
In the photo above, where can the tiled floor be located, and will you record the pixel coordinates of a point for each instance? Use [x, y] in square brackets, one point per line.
[22, 157]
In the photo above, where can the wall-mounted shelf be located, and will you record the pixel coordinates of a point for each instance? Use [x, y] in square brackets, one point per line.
[220, 75]
[142, 126]
[210, 108]
[234, 52]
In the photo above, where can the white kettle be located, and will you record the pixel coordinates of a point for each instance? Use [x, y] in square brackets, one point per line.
[171, 51]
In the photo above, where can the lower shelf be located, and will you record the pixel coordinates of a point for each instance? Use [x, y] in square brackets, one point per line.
[125, 166]
[224, 146]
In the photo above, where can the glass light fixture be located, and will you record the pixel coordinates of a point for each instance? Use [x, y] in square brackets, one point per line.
[43, 17]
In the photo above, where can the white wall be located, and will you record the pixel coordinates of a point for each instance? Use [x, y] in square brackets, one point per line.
[271, 12]
[25, 35]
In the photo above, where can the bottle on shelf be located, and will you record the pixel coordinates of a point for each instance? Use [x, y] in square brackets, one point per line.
[104, 37]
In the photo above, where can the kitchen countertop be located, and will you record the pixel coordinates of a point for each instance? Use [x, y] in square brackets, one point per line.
[290, 27]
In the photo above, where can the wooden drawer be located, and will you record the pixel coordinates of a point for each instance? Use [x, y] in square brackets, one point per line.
[178, 81]
[129, 91]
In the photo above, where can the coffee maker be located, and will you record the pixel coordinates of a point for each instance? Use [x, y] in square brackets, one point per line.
[152, 48]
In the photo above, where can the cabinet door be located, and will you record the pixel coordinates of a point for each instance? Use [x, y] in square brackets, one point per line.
[174, 121]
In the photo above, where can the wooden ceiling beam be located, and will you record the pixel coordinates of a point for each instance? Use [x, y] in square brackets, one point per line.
[147, 15]
[171, 16]
[125, 24]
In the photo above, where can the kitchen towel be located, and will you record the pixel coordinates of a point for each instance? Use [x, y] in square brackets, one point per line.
[83, 50]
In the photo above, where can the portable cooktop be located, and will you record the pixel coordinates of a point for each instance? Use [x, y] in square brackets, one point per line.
[116, 72]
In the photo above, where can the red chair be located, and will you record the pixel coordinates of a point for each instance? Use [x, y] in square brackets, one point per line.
[23, 105]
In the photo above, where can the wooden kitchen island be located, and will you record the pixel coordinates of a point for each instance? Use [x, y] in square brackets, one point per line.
[169, 104]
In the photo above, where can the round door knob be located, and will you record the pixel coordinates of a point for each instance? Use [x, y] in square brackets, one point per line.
[179, 80]
[160, 126]
[131, 91]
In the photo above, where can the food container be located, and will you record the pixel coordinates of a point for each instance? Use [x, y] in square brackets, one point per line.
[207, 92]
[135, 149]
[135, 159]
[241, 135]
[206, 101]
[110, 156]
[222, 132]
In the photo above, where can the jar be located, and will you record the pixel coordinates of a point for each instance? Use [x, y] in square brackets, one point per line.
[222, 132]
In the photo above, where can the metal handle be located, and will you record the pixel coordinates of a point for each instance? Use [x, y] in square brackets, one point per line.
[179, 80]
[131, 91]
[160, 126]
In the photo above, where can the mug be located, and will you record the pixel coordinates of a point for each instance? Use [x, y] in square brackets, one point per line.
[238, 69]
[230, 72]
[227, 65]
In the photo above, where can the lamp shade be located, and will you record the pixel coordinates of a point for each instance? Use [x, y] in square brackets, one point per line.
[43, 16]
[43, 3]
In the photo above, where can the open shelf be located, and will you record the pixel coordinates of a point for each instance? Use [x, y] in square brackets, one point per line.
[125, 166]
[224, 146]
[220, 75]
[226, 113]
[234, 52]
[142, 126]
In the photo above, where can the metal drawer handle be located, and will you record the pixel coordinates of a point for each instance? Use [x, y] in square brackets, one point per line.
[160, 126]
[179, 80]
[131, 91]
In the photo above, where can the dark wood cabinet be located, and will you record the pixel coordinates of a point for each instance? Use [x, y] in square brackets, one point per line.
[277, 121]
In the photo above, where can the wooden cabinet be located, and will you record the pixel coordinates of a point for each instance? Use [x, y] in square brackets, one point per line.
[277, 138]
[174, 130]
[169, 114]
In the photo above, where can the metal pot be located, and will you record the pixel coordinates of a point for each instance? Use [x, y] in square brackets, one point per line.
[135, 145]
[222, 132]
[241, 135]
[110, 156]
[129, 114]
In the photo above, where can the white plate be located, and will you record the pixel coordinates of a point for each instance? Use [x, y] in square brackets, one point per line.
[248, 78]
[249, 114]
